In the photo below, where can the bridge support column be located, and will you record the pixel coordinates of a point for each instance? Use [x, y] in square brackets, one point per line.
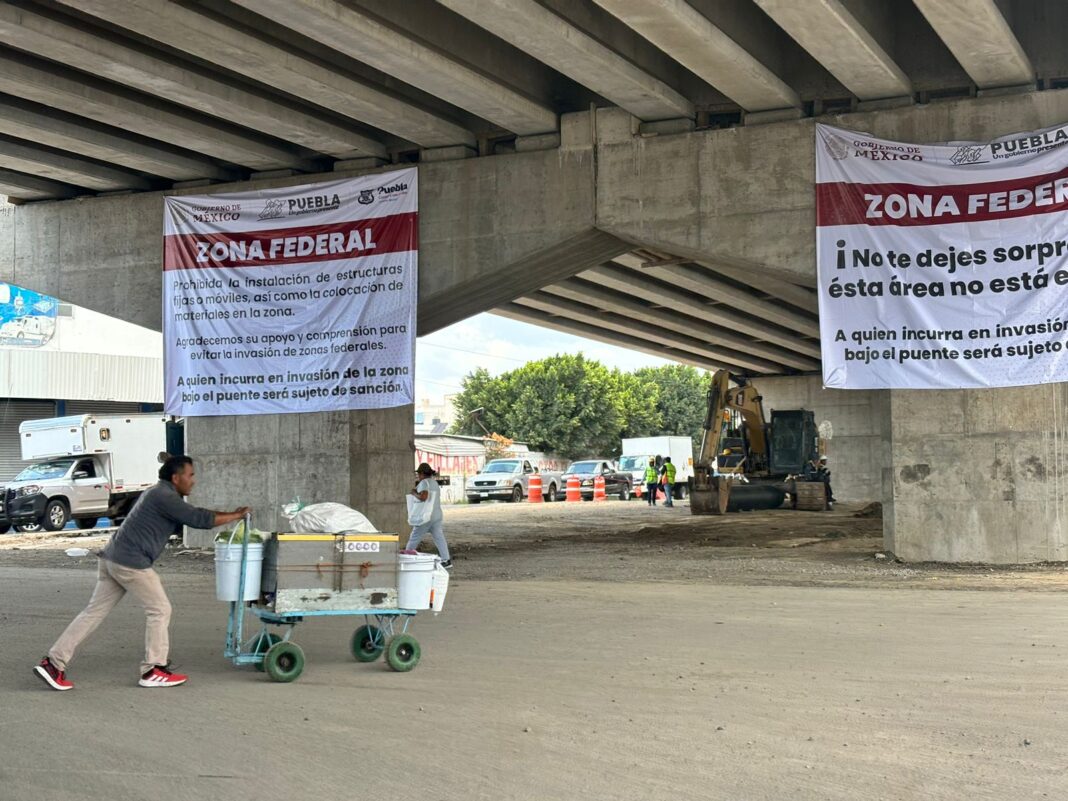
[978, 475]
[363, 459]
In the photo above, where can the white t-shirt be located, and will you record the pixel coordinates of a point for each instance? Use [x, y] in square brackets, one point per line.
[433, 490]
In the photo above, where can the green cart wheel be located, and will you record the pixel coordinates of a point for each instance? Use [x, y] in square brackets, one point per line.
[284, 661]
[368, 643]
[264, 645]
[402, 653]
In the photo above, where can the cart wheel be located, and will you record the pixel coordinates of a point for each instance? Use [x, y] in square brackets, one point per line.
[402, 653]
[264, 645]
[284, 661]
[368, 643]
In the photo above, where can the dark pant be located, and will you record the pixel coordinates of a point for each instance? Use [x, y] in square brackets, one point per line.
[651, 497]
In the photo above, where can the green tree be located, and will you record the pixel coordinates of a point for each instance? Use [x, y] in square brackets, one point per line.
[577, 407]
[642, 415]
[567, 404]
[487, 395]
[683, 398]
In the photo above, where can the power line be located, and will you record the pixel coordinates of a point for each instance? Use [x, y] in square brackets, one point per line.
[474, 352]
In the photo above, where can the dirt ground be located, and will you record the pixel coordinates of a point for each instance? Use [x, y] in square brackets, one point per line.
[617, 541]
[604, 651]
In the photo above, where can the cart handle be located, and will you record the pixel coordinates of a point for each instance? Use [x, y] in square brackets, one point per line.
[246, 521]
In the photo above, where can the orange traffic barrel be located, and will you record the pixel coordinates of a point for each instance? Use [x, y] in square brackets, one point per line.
[638, 489]
[598, 489]
[534, 489]
[573, 493]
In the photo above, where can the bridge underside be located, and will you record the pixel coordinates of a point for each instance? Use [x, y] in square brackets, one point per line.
[100, 96]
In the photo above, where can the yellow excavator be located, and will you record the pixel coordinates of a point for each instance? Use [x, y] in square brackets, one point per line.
[744, 461]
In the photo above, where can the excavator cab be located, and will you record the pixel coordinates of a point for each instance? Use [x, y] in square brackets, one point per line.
[743, 460]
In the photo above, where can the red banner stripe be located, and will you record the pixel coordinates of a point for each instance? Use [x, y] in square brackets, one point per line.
[840, 203]
[394, 234]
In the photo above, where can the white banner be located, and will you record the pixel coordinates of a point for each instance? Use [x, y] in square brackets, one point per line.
[299, 299]
[942, 266]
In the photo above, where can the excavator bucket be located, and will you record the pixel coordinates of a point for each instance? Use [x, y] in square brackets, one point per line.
[710, 500]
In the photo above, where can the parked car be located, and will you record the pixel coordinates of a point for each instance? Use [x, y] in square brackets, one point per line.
[5, 521]
[507, 480]
[616, 482]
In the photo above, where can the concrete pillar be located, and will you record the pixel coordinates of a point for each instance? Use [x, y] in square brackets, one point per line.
[360, 458]
[978, 475]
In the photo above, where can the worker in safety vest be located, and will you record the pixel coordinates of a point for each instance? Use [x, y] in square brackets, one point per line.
[651, 482]
[667, 474]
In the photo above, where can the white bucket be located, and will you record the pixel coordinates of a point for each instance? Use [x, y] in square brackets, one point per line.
[228, 571]
[439, 586]
[415, 579]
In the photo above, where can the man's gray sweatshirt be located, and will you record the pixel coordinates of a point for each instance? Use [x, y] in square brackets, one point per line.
[158, 513]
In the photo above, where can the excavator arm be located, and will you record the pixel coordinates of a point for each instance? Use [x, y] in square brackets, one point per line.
[748, 404]
[710, 494]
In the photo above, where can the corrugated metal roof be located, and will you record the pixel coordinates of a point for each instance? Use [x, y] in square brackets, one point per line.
[39, 373]
[446, 445]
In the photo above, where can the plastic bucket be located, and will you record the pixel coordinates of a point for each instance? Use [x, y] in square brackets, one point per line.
[438, 587]
[415, 579]
[228, 571]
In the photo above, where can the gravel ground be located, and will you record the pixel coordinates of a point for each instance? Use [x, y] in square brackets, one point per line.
[629, 542]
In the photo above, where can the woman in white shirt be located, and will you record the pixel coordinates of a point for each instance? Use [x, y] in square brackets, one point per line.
[428, 491]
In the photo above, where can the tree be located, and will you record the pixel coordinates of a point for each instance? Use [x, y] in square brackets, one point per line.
[566, 404]
[577, 407]
[683, 398]
[642, 413]
[486, 394]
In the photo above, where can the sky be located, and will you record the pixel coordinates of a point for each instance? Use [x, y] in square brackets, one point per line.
[443, 358]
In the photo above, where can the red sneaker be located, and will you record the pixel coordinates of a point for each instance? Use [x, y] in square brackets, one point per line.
[52, 676]
[162, 677]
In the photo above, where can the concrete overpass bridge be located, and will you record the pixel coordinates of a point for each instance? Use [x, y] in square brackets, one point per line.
[635, 171]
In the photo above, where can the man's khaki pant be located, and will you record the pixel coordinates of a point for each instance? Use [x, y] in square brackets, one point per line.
[112, 582]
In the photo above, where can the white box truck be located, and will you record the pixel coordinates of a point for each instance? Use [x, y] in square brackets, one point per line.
[637, 452]
[84, 467]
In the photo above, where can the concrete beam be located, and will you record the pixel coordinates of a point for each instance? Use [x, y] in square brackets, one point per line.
[56, 129]
[45, 163]
[505, 283]
[29, 187]
[552, 40]
[979, 36]
[631, 283]
[216, 42]
[362, 36]
[830, 32]
[698, 280]
[769, 285]
[51, 86]
[515, 312]
[631, 308]
[694, 41]
[75, 45]
[647, 331]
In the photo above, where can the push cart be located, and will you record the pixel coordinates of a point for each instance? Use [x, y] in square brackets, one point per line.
[384, 630]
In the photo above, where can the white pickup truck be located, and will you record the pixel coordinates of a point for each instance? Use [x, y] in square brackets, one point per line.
[507, 480]
[84, 467]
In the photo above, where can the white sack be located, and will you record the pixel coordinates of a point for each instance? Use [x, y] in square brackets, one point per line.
[331, 518]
